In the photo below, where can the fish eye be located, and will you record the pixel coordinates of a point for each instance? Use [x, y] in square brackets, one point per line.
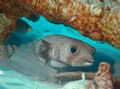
[73, 49]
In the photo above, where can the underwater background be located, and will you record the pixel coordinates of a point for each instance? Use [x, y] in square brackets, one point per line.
[27, 31]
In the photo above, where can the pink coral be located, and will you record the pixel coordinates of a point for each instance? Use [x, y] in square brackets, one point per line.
[103, 77]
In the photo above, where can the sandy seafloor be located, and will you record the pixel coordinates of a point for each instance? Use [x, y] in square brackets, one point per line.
[20, 71]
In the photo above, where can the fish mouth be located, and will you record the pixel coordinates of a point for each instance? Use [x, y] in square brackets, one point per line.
[84, 64]
[88, 62]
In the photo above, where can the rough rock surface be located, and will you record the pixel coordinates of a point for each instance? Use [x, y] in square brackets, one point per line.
[98, 19]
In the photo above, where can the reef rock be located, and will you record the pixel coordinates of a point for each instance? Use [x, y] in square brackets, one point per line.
[98, 19]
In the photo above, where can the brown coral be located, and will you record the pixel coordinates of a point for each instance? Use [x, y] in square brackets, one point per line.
[98, 19]
[10, 11]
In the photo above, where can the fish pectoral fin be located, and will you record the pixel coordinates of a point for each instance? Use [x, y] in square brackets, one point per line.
[42, 49]
[41, 46]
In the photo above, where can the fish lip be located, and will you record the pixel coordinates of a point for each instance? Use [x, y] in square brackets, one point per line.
[88, 62]
[85, 63]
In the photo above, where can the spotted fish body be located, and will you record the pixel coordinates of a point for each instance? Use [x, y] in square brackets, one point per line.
[64, 50]
[57, 50]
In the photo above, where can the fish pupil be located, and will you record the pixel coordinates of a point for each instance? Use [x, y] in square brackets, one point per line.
[73, 49]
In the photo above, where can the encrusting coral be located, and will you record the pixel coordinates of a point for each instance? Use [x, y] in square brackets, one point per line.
[98, 19]
[10, 11]
[6, 26]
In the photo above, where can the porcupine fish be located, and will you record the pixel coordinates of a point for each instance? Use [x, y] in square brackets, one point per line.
[61, 49]
[65, 50]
